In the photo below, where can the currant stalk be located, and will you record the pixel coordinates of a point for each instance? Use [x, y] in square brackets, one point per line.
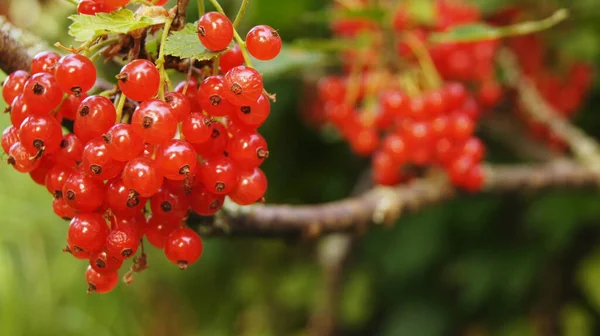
[160, 62]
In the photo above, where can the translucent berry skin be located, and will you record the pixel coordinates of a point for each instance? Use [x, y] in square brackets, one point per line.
[41, 133]
[62, 209]
[42, 93]
[88, 232]
[154, 121]
[122, 244]
[97, 163]
[183, 247]
[170, 203]
[83, 193]
[56, 178]
[69, 108]
[211, 97]
[13, 85]
[20, 159]
[95, 116]
[76, 251]
[158, 230]
[248, 149]
[44, 61]
[102, 263]
[75, 74]
[19, 110]
[215, 31]
[251, 188]
[263, 42]
[38, 175]
[90, 7]
[219, 175]
[71, 149]
[142, 175]
[176, 159]
[255, 114]
[123, 143]
[231, 58]
[180, 105]
[139, 80]
[136, 223]
[243, 85]
[10, 136]
[204, 202]
[99, 282]
[196, 128]
[121, 200]
[190, 90]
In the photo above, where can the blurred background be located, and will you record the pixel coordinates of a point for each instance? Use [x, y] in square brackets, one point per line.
[480, 265]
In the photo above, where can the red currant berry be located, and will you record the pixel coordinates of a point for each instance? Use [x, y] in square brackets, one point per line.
[44, 61]
[97, 163]
[88, 232]
[180, 105]
[10, 136]
[13, 85]
[38, 175]
[219, 175]
[142, 175]
[102, 263]
[231, 58]
[71, 149]
[254, 115]
[42, 93]
[68, 109]
[83, 193]
[155, 121]
[115, 3]
[56, 178]
[123, 144]
[216, 144]
[122, 244]
[20, 159]
[176, 159]
[183, 247]
[197, 128]
[248, 149]
[190, 90]
[215, 31]
[41, 134]
[139, 80]
[62, 209]
[19, 110]
[95, 116]
[385, 169]
[251, 188]
[243, 85]
[211, 97]
[204, 202]
[158, 230]
[122, 200]
[100, 282]
[75, 74]
[263, 42]
[169, 203]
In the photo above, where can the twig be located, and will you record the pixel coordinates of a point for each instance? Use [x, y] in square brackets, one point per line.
[180, 15]
[384, 205]
[13, 56]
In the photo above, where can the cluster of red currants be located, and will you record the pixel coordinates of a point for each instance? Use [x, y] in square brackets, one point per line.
[91, 7]
[120, 177]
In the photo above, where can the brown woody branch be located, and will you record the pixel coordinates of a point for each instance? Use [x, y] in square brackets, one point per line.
[385, 205]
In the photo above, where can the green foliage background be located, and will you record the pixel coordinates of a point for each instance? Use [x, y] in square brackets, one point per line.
[479, 265]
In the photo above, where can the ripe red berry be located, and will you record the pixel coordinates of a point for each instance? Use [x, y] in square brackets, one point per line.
[190, 90]
[95, 116]
[91, 7]
[122, 200]
[204, 202]
[102, 263]
[176, 159]
[20, 159]
[263, 42]
[13, 85]
[158, 230]
[139, 80]
[251, 188]
[62, 209]
[88, 232]
[122, 244]
[231, 58]
[215, 31]
[115, 3]
[142, 175]
[10, 136]
[243, 85]
[123, 144]
[173, 204]
[197, 128]
[42, 93]
[71, 149]
[385, 169]
[41, 134]
[83, 193]
[154, 121]
[183, 247]
[216, 144]
[180, 105]
[19, 110]
[56, 178]
[38, 175]
[68, 109]
[255, 114]
[75, 74]
[219, 175]
[44, 61]
[248, 149]
[97, 163]
[100, 282]
[211, 97]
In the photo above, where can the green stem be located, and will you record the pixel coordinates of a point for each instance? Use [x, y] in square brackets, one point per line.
[201, 9]
[236, 35]
[160, 62]
[216, 65]
[119, 107]
[74, 2]
[420, 51]
[240, 13]
[102, 44]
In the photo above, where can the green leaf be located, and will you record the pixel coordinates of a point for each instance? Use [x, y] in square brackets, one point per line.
[289, 59]
[481, 31]
[185, 44]
[88, 27]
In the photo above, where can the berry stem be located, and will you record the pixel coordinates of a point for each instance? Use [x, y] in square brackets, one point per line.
[160, 62]
[74, 2]
[215, 70]
[119, 107]
[420, 51]
[240, 13]
[201, 9]
[236, 35]
[102, 44]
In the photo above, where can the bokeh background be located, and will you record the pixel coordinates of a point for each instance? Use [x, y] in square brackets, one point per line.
[479, 265]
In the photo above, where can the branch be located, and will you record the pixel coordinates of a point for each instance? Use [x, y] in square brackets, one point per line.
[180, 15]
[383, 205]
[13, 55]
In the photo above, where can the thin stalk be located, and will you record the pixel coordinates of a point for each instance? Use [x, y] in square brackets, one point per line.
[215, 70]
[422, 54]
[201, 9]
[74, 2]
[160, 62]
[240, 13]
[119, 107]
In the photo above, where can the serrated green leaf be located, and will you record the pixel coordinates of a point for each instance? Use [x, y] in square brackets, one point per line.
[481, 31]
[288, 60]
[185, 44]
[88, 27]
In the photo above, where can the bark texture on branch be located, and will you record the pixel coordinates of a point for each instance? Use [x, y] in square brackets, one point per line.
[384, 205]
[13, 55]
